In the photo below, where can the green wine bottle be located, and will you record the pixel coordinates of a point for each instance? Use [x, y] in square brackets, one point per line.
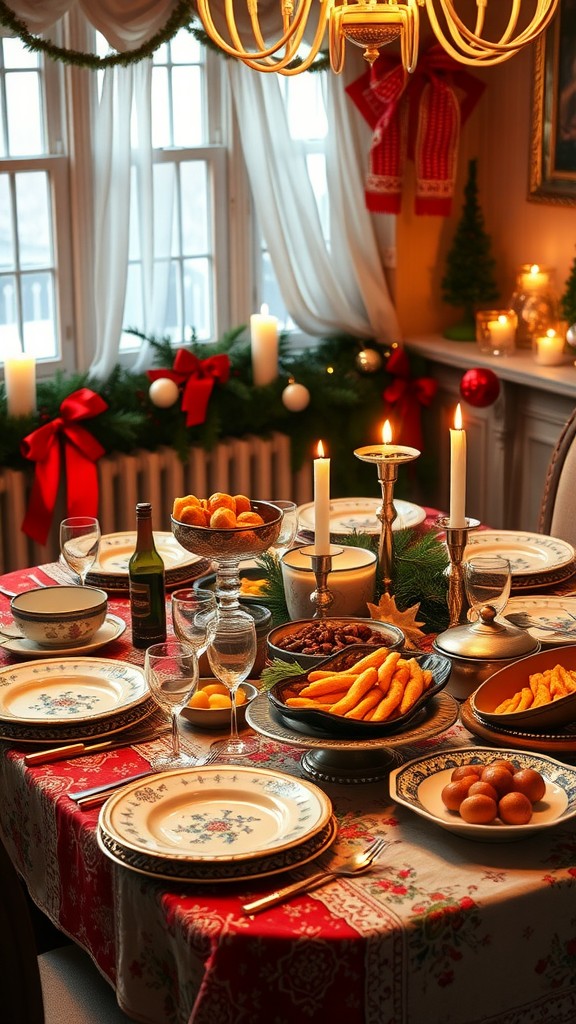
[147, 588]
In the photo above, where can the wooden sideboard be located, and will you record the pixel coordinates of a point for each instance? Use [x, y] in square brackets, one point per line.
[509, 442]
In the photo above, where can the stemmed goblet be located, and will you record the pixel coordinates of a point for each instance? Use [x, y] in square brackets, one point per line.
[171, 671]
[288, 526]
[79, 543]
[487, 579]
[231, 654]
[195, 618]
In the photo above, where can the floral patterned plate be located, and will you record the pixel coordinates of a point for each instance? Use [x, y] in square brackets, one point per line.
[68, 691]
[419, 783]
[349, 515]
[112, 627]
[221, 813]
[111, 568]
[535, 559]
[220, 871]
[556, 614]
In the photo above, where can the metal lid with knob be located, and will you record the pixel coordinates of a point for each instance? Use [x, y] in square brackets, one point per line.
[487, 638]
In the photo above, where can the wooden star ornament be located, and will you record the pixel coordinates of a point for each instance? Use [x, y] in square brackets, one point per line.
[386, 611]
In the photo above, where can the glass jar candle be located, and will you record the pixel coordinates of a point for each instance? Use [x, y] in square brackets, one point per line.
[535, 303]
[548, 348]
[496, 331]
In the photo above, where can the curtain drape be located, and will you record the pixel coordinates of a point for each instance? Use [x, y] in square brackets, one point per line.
[340, 289]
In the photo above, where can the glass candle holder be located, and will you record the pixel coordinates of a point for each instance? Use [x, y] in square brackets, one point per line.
[548, 349]
[535, 303]
[496, 331]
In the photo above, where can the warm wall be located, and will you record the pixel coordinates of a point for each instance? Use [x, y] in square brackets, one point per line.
[522, 231]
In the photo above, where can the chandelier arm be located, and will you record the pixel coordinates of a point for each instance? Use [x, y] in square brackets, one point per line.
[410, 53]
[293, 33]
[337, 46]
[205, 15]
[463, 36]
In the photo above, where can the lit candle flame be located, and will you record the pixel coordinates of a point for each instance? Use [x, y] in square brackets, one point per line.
[550, 333]
[264, 309]
[387, 433]
[534, 269]
[458, 418]
[320, 450]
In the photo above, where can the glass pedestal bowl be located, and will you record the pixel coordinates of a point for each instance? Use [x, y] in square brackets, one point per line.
[227, 548]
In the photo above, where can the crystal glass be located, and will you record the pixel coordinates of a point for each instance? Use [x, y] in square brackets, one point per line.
[171, 672]
[231, 655]
[79, 542]
[194, 618]
[288, 526]
[487, 579]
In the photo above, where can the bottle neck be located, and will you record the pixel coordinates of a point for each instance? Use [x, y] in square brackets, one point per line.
[145, 537]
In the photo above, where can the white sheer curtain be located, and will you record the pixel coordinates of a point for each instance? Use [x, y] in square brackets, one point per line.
[343, 289]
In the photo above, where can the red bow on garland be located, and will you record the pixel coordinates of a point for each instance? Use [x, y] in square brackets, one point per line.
[408, 394]
[418, 115]
[196, 377]
[81, 451]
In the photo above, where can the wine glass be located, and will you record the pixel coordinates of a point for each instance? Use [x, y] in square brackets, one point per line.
[195, 618]
[288, 526]
[231, 655]
[171, 671]
[487, 579]
[79, 542]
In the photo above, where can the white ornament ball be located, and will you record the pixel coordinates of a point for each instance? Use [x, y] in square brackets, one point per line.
[164, 392]
[296, 397]
[571, 336]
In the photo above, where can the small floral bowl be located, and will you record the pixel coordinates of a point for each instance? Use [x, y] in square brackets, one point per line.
[63, 616]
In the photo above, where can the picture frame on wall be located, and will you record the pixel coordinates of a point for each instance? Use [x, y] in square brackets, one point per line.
[553, 133]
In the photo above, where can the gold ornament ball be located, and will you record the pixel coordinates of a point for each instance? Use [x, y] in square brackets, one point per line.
[296, 397]
[163, 392]
[368, 360]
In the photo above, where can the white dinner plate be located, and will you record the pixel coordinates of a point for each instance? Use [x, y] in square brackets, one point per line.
[71, 690]
[349, 515]
[111, 567]
[552, 612]
[220, 871]
[224, 813]
[418, 785]
[112, 627]
[534, 557]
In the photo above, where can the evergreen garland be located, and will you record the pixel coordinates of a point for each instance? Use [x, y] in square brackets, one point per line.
[568, 298]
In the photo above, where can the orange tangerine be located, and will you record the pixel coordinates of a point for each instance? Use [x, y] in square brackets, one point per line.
[214, 688]
[219, 700]
[181, 503]
[199, 700]
[194, 516]
[222, 519]
[221, 500]
[242, 503]
[250, 519]
[240, 697]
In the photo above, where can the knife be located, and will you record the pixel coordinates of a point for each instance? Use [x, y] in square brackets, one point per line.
[77, 749]
[87, 798]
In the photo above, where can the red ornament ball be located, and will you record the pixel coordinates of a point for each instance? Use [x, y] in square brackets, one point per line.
[480, 387]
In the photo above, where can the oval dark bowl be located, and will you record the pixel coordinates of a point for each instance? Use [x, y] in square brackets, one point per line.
[323, 723]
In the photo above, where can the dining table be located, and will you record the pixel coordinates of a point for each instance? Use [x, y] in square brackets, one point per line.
[443, 929]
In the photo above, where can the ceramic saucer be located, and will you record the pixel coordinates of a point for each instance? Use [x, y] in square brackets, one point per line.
[112, 627]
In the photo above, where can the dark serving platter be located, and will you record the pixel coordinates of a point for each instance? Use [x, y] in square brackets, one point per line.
[323, 723]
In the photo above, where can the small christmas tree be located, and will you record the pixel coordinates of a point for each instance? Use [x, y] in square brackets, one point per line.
[469, 278]
[568, 300]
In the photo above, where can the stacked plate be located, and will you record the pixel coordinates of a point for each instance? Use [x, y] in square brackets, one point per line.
[535, 559]
[216, 824]
[358, 515]
[71, 699]
[111, 568]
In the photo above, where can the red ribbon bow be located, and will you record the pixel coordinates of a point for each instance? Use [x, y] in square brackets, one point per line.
[81, 451]
[197, 378]
[408, 394]
[418, 115]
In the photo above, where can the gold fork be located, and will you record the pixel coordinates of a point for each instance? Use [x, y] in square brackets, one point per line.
[355, 865]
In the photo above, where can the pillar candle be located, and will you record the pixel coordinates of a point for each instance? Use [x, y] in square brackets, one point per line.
[264, 346]
[20, 383]
[535, 280]
[502, 333]
[321, 503]
[457, 472]
[549, 349]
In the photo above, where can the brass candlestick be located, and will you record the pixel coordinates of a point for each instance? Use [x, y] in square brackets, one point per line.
[387, 458]
[322, 597]
[456, 540]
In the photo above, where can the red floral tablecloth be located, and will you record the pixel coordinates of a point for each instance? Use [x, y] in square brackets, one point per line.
[443, 930]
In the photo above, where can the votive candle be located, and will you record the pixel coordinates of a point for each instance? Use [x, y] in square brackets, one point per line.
[321, 502]
[534, 280]
[264, 347]
[549, 349]
[20, 383]
[457, 472]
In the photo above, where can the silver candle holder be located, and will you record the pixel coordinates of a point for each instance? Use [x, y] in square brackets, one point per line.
[322, 597]
[387, 458]
[456, 541]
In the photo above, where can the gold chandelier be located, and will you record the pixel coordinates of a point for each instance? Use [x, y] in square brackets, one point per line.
[373, 25]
